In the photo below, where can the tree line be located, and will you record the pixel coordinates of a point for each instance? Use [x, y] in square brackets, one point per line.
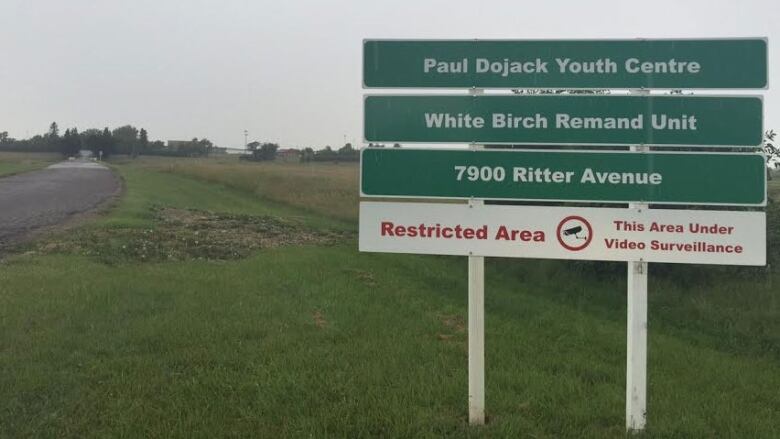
[257, 151]
[127, 140]
[346, 153]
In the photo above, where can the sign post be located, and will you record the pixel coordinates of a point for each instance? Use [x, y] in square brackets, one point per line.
[476, 338]
[476, 325]
[636, 352]
[636, 329]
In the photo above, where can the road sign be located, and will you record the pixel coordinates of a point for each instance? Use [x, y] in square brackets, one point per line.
[604, 234]
[566, 119]
[636, 235]
[739, 63]
[561, 175]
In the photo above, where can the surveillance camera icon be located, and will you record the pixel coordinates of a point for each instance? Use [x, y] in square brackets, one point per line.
[574, 231]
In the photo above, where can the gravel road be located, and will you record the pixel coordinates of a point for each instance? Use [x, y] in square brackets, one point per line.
[50, 196]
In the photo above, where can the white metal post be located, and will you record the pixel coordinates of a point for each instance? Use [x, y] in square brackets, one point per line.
[636, 332]
[636, 355]
[476, 327]
[476, 340]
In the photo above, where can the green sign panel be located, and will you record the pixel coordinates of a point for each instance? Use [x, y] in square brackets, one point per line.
[611, 177]
[686, 64]
[566, 119]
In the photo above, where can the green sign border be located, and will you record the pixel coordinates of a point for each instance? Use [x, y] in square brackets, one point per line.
[376, 106]
[595, 153]
[598, 47]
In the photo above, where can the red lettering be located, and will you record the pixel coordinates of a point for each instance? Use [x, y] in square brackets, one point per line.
[387, 228]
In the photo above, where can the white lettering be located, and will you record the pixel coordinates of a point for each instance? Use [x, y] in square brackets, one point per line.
[447, 120]
[589, 176]
[634, 65]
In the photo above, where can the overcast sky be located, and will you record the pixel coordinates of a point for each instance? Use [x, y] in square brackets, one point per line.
[287, 71]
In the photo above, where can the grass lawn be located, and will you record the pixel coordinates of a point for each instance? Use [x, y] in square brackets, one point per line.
[773, 187]
[16, 162]
[317, 340]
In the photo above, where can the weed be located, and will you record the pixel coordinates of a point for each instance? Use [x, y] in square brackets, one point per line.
[182, 234]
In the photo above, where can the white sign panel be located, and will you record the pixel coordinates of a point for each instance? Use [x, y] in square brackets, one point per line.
[604, 234]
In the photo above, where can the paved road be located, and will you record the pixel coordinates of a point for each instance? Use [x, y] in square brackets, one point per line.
[49, 196]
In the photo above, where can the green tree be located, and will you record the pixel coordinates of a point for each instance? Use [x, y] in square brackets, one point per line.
[71, 143]
[261, 151]
[326, 154]
[348, 153]
[204, 147]
[196, 148]
[63, 144]
[108, 142]
[54, 131]
[92, 139]
[267, 151]
[126, 139]
[53, 137]
[307, 155]
[771, 150]
[143, 141]
[157, 147]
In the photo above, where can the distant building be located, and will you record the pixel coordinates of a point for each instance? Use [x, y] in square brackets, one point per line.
[288, 155]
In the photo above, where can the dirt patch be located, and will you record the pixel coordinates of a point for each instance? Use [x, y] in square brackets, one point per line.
[454, 322]
[455, 326]
[365, 277]
[319, 320]
[186, 234]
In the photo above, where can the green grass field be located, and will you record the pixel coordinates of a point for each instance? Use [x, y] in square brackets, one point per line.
[16, 162]
[103, 334]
